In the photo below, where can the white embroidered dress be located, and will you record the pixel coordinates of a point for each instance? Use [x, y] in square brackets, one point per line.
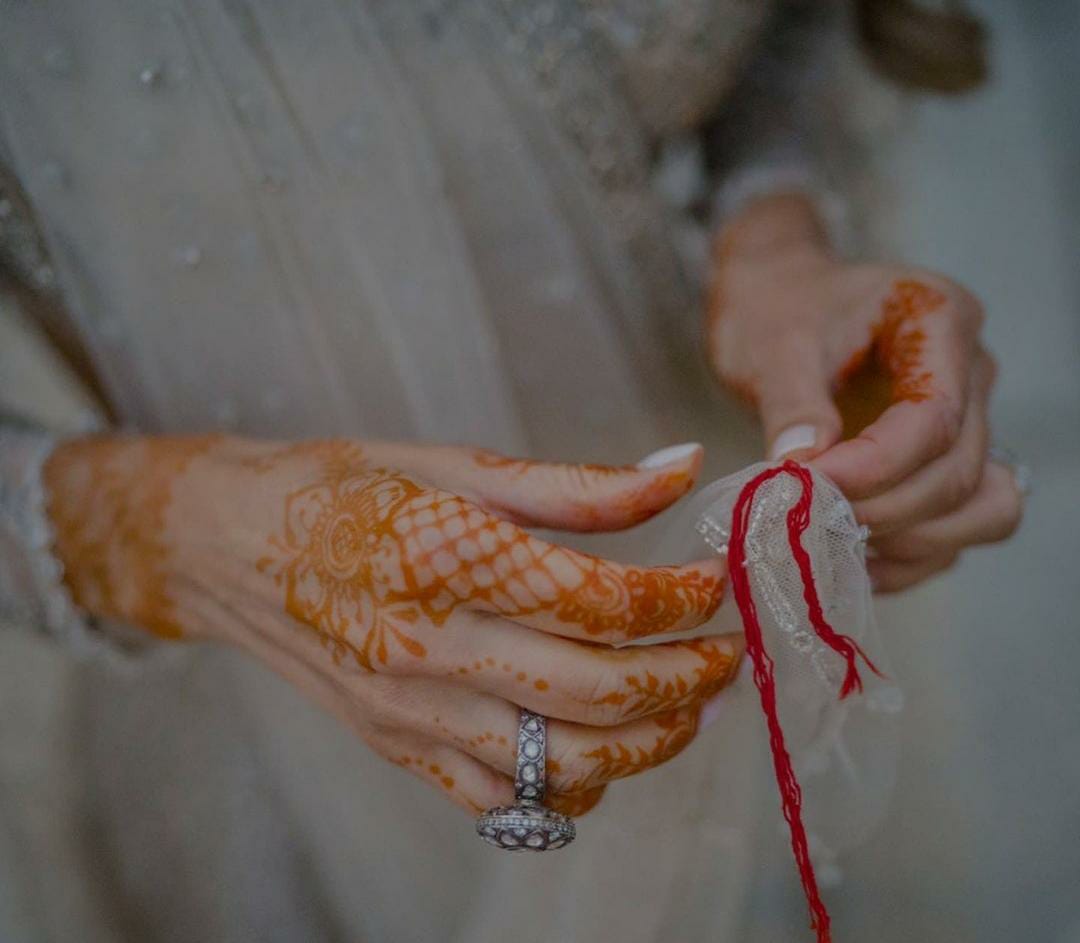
[457, 222]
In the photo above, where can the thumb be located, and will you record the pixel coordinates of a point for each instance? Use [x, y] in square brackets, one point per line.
[578, 497]
[795, 403]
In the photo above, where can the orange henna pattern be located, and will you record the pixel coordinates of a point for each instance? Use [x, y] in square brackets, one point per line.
[646, 602]
[890, 369]
[641, 695]
[109, 500]
[340, 561]
[365, 553]
[617, 760]
[901, 342]
[577, 803]
[430, 771]
[519, 466]
[464, 555]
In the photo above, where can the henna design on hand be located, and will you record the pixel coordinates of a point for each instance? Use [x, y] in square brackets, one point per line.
[640, 695]
[674, 730]
[365, 554]
[890, 369]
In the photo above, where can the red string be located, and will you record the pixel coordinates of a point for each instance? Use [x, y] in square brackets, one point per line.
[798, 519]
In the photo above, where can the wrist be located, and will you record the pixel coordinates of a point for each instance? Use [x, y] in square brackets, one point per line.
[109, 500]
[773, 226]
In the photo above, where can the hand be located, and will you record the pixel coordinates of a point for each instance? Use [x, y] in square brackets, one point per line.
[394, 585]
[872, 373]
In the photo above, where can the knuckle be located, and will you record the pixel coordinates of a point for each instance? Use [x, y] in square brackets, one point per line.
[384, 700]
[601, 695]
[884, 516]
[577, 804]
[873, 464]
[969, 309]
[573, 770]
[964, 482]
[960, 303]
[948, 562]
[946, 419]
[1010, 513]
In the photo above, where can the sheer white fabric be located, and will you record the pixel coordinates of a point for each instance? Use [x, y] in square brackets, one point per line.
[844, 752]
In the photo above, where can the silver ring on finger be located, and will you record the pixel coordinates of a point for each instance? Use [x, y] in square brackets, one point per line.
[1018, 468]
[528, 825]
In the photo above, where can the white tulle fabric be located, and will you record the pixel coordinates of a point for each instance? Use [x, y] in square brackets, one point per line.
[844, 752]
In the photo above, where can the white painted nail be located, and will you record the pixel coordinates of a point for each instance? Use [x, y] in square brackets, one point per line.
[669, 456]
[792, 439]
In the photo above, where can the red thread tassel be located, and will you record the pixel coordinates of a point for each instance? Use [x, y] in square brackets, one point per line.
[798, 519]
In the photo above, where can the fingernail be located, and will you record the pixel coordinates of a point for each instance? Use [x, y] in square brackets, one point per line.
[792, 439]
[669, 456]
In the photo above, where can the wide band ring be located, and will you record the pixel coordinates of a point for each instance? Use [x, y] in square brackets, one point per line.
[528, 825]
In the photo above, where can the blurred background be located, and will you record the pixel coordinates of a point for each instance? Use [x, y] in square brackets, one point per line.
[983, 841]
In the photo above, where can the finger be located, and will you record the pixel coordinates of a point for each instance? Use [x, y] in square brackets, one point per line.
[364, 704]
[458, 556]
[925, 343]
[576, 804]
[946, 483]
[993, 514]
[579, 757]
[892, 576]
[794, 400]
[584, 683]
[466, 781]
[561, 495]
[577, 595]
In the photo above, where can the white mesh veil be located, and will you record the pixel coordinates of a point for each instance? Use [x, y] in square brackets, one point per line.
[843, 751]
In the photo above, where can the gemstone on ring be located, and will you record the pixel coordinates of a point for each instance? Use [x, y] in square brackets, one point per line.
[525, 826]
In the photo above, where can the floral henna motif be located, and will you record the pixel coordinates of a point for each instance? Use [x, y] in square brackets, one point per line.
[644, 602]
[340, 561]
[461, 554]
[675, 730]
[365, 553]
[577, 803]
[891, 368]
[641, 695]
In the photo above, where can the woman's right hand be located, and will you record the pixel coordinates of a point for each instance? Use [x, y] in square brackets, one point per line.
[395, 585]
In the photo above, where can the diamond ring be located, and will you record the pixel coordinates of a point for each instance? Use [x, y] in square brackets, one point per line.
[527, 825]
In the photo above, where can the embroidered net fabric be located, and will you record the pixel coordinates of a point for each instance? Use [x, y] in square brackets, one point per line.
[843, 751]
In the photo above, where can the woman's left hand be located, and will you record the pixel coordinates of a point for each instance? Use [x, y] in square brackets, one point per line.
[874, 374]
